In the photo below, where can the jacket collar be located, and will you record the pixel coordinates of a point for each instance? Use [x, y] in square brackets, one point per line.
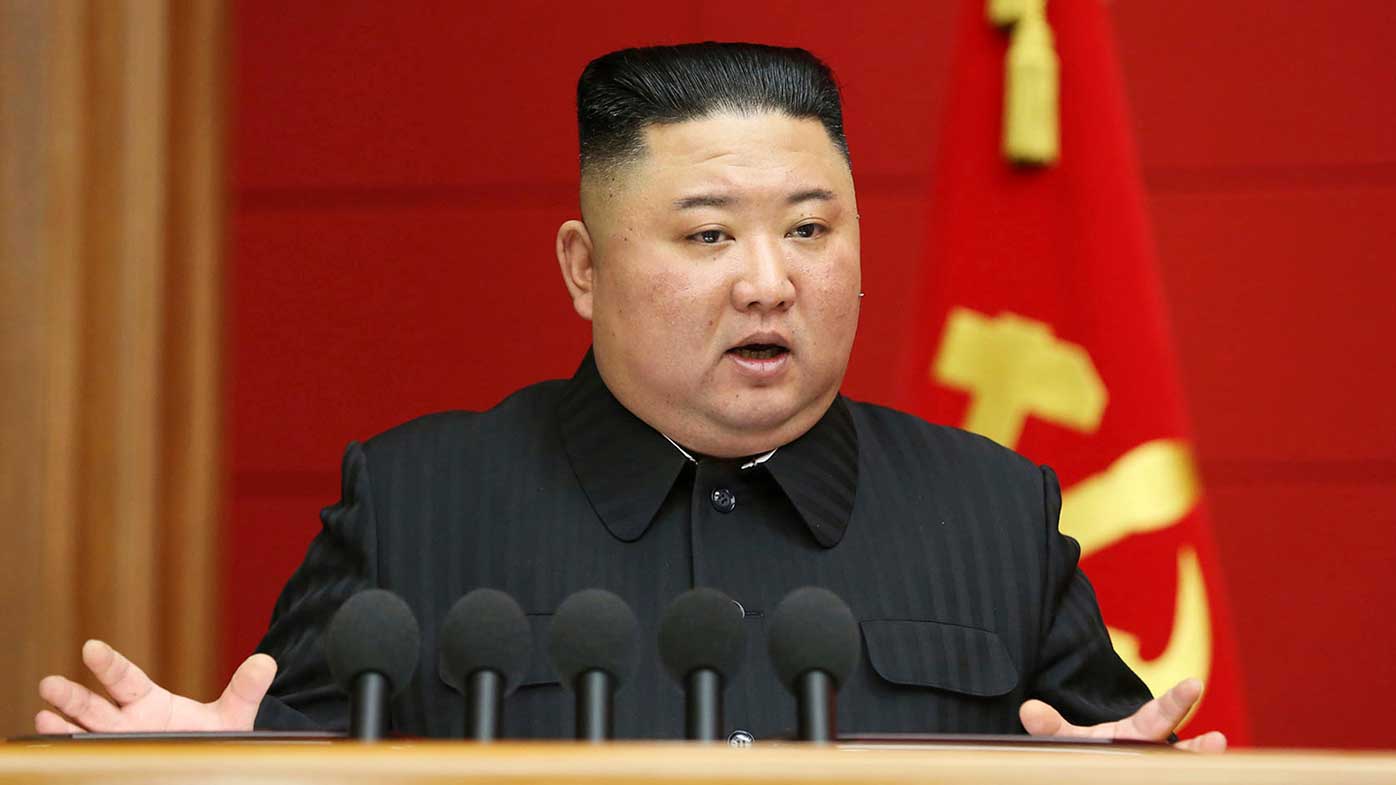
[819, 473]
[626, 468]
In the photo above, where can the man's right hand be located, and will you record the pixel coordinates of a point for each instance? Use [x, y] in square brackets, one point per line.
[142, 705]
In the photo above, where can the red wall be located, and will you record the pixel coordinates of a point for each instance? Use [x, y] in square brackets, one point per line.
[400, 169]
[1268, 152]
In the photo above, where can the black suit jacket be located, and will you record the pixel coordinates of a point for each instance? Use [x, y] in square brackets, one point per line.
[944, 544]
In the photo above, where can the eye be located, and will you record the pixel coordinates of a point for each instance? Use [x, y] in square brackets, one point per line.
[709, 236]
[808, 231]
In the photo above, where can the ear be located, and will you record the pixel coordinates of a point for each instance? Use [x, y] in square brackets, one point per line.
[577, 257]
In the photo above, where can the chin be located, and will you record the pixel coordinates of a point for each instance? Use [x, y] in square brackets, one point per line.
[761, 416]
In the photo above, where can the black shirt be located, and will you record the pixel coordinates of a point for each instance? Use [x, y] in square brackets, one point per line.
[944, 545]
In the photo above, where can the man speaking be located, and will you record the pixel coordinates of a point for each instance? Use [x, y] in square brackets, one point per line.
[701, 442]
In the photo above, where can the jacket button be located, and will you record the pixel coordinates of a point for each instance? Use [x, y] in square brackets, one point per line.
[740, 738]
[724, 500]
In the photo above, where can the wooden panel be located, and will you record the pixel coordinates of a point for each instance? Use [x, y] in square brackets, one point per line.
[29, 275]
[88, 202]
[191, 463]
[408, 762]
[124, 188]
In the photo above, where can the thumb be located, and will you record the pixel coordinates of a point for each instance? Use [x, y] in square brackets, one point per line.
[239, 702]
[1212, 742]
[1040, 719]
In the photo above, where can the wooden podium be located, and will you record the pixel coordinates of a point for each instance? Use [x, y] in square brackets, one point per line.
[458, 763]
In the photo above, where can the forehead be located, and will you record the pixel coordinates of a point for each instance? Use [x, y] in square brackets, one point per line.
[757, 152]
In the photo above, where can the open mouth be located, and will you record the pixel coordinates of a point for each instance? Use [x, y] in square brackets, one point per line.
[758, 351]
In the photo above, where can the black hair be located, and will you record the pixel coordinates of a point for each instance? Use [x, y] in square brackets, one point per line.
[621, 93]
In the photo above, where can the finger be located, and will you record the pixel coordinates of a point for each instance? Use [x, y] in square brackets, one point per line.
[48, 722]
[1212, 742]
[89, 709]
[248, 686]
[1039, 719]
[1157, 718]
[121, 677]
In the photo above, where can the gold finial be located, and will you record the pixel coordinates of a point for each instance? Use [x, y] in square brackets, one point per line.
[1031, 121]
[1003, 13]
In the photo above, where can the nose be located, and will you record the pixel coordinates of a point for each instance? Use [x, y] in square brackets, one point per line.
[763, 284]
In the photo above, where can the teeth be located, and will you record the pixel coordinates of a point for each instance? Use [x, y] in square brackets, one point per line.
[760, 351]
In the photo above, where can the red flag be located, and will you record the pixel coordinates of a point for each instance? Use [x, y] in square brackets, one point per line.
[1042, 325]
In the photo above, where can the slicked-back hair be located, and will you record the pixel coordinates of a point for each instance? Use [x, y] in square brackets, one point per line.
[621, 93]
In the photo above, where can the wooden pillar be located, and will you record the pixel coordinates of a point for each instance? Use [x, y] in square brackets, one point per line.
[191, 466]
[111, 206]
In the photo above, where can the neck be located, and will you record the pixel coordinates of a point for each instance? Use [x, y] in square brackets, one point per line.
[698, 439]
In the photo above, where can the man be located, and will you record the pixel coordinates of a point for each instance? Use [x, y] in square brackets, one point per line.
[701, 442]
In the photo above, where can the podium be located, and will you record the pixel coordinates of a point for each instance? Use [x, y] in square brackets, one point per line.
[515, 763]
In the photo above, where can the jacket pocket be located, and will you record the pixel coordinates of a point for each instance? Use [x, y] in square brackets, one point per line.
[950, 657]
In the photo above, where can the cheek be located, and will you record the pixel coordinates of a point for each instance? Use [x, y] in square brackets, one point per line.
[834, 291]
[662, 296]
[657, 303]
[687, 309]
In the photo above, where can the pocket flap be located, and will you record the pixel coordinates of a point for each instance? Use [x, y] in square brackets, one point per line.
[945, 656]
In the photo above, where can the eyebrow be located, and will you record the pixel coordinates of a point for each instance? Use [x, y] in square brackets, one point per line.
[703, 200]
[724, 200]
[811, 195]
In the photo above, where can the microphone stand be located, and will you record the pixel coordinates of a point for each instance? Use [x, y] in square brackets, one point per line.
[484, 703]
[815, 699]
[368, 707]
[703, 707]
[594, 721]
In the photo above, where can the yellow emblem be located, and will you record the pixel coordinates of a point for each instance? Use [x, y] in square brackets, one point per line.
[1013, 368]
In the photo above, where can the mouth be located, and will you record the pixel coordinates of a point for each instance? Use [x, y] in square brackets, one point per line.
[758, 351]
[762, 357]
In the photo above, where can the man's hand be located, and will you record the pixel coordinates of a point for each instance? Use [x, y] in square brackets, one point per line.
[143, 705]
[1154, 721]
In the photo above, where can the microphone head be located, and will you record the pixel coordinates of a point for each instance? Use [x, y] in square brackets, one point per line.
[485, 630]
[594, 630]
[373, 632]
[812, 629]
[702, 628]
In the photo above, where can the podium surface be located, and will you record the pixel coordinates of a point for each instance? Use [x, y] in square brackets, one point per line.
[438, 763]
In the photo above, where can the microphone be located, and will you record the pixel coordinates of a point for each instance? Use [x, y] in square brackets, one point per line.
[702, 641]
[594, 643]
[372, 645]
[814, 643]
[485, 644]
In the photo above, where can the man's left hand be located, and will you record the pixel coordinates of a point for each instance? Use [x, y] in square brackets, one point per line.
[1154, 721]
